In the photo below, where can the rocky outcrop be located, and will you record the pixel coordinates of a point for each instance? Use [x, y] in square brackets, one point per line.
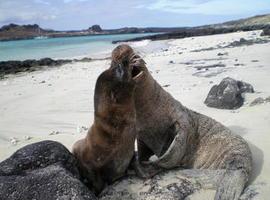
[177, 184]
[95, 28]
[170, 186]
[13, 67]
[228, 94]
[16, 66]
[42, 171]
[17, 32]
[266, 32]
[193, 32]
[259, 100]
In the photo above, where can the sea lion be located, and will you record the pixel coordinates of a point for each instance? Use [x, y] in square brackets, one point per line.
[104, 155]
[180, 137]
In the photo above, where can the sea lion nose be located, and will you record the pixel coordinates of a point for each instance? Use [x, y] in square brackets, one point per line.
[119, 72]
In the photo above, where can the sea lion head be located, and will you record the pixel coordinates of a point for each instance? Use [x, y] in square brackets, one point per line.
[133, 62]
[115, 85]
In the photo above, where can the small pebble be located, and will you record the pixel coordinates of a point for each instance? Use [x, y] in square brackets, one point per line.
[54, 133]
[257, 101]
[13, 141]
[27, 138]
[166, 85]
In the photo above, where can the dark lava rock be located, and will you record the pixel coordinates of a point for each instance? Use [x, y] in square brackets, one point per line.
[13, 67]
[95, 28]
[257, 101]
[228, 94]
[42, 171]
[265, 32]
[223, 54]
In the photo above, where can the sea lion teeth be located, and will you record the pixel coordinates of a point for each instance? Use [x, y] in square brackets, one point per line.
[138, 75]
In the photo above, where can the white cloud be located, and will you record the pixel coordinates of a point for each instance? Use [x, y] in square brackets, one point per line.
[32, 11]
[42, 2]
[69, 1]
[214, 7]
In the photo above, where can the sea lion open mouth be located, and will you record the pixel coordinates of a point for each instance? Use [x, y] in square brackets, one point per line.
[136, 72]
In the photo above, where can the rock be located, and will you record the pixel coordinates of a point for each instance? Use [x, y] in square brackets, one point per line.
[266, 32]
[13, 140]
[267, 99]
[54, 133]
[223, 54]
[228, 94]
[245, 87]
[81, 129]
[171, 62]
[27, 137]
[13, 67]
[238, 64]
[174, 184]
[169, 186]
[166, 85]
[42, 171]
[209, 66]
[257, 101]
[95, 28]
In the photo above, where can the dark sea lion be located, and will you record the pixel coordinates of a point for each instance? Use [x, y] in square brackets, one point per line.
[108, 148]
[180, 137]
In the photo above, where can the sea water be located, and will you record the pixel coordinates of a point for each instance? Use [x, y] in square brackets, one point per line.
[64, 47]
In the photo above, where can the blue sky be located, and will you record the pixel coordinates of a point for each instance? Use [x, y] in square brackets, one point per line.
[80, 14]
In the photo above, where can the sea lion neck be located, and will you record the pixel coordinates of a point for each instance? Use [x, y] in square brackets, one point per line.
[150, 98]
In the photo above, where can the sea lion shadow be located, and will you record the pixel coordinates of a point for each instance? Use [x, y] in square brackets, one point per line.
[257, 154]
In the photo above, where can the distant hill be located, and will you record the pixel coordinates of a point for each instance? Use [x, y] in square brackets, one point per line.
[259, 22]
[251, 21]
[18, 32]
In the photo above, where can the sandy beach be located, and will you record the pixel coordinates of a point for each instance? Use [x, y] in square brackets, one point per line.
[57, 104]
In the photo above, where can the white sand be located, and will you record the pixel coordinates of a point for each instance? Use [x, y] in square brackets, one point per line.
[64, 103]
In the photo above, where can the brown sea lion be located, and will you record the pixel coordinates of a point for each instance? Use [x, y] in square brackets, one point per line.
[180, 137]
[105, 153]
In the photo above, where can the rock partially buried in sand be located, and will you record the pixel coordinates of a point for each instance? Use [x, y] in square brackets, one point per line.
[228, 94]
[259, 101]
[266, 32]
[42, 171]
[169, 186]
[174, 184]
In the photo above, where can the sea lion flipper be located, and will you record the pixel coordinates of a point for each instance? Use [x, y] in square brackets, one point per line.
[231, 185]
[176, 150]
[142, 169]
[144, 152]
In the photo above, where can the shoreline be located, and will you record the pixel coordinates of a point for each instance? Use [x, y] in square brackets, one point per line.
[195, 32]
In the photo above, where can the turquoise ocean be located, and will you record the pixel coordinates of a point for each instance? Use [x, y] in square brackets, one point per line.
[64, 47]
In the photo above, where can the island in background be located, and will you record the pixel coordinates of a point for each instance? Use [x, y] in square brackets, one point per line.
[259, 22]
[20, 32]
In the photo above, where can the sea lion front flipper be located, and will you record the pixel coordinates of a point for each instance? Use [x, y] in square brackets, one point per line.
[176, 150]
[144, 152]
[231, 185]
[142, 170]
